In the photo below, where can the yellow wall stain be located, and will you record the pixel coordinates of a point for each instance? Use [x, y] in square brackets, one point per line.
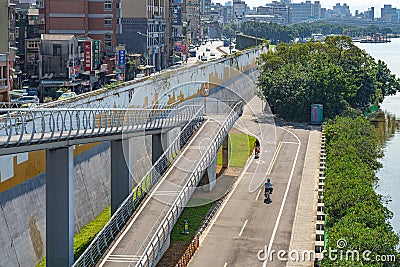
[35, 165]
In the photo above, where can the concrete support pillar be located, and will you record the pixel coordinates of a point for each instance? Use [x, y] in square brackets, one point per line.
[161, 141]
[210, 176]
[60, 207]
[157, 148]
[121, 182]
[226, 149]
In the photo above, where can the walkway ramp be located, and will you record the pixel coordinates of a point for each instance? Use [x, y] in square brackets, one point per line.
[142, 239]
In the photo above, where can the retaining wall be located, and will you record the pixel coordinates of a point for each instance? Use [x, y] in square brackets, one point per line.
[22, 176]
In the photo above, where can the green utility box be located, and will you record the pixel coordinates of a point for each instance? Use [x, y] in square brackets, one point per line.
[316, 113]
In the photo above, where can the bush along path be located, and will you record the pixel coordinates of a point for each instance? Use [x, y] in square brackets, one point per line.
[357, 228]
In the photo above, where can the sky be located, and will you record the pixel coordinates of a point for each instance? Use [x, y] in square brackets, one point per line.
[354, 5]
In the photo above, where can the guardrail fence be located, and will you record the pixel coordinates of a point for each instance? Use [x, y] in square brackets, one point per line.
[104, 238]
[30, 126]
[155, 245]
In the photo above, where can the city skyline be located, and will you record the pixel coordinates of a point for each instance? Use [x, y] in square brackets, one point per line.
[360, 5]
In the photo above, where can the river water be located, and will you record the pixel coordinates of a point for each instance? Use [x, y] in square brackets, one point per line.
[388, 130]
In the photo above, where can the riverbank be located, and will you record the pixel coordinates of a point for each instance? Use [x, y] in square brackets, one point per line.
[352, 153]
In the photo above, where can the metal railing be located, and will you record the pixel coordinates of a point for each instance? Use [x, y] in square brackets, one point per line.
[156, 243]
[117, 221]
[10, 105]
[32, 126]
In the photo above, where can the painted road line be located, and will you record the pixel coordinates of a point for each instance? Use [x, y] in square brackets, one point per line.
[258, 194]
[271, 165]
[284, 198]
[244, 226]
[153, 191]
[249, 161]
[293, 143]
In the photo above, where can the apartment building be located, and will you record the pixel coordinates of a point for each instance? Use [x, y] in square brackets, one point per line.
[193, 20]
[6, 34]
[278, 12]
[304, 11]
[205, 7]
[239, 11]
[389, 14]
[144, 27]
[98, 20]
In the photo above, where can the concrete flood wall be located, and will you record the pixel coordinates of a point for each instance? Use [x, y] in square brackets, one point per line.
[22, 176]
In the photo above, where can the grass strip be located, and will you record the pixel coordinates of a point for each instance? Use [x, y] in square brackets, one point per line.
[87, 234]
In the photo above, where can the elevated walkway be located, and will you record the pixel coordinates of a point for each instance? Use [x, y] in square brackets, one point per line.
[141, 241]
[25, 130]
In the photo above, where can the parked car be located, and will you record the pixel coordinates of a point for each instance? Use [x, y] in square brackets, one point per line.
[67, 95]
[28, 99]
[207, 49]
[203, 58]
[212, 54]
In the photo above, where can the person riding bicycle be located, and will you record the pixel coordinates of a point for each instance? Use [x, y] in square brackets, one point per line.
[268, 186]
[257, 148]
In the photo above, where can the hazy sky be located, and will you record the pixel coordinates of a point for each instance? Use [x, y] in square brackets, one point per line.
[361, 5]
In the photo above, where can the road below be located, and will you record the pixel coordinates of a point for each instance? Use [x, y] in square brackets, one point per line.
[244, 224]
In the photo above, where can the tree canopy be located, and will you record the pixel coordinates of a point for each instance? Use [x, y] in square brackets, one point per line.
[354, 211]
[335, 73]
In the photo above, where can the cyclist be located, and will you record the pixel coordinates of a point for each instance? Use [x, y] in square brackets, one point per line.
[268, 187]
[257, 148]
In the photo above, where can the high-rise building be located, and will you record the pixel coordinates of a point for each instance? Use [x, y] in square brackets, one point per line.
[7, 52]
[205, 7]
[239, 11]
[371, 13]
[193, 20]
[4, 43]
[94, 19]
[389, 14]
[278, 11]
[144, 27]
[341, 11]
[304, 11]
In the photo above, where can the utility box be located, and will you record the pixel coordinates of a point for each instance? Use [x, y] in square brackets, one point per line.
[316, 113]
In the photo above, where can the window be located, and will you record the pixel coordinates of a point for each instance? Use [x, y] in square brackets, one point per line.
[107, 40]
[108, 23]
[107, 5]
[56, 50]
[118, 5]
[32, 44]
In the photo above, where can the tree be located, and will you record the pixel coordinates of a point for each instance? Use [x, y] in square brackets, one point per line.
[335, 73]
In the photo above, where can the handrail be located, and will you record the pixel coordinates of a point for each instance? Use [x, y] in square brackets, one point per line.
[33, 126]
[154, 247]
[117, 221]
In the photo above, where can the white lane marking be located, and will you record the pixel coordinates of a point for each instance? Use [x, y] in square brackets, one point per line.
[249, 161]
[271, 165]
[258, 194]
[294, 143]
[284, 198]
[244, 226]
[153, 191]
